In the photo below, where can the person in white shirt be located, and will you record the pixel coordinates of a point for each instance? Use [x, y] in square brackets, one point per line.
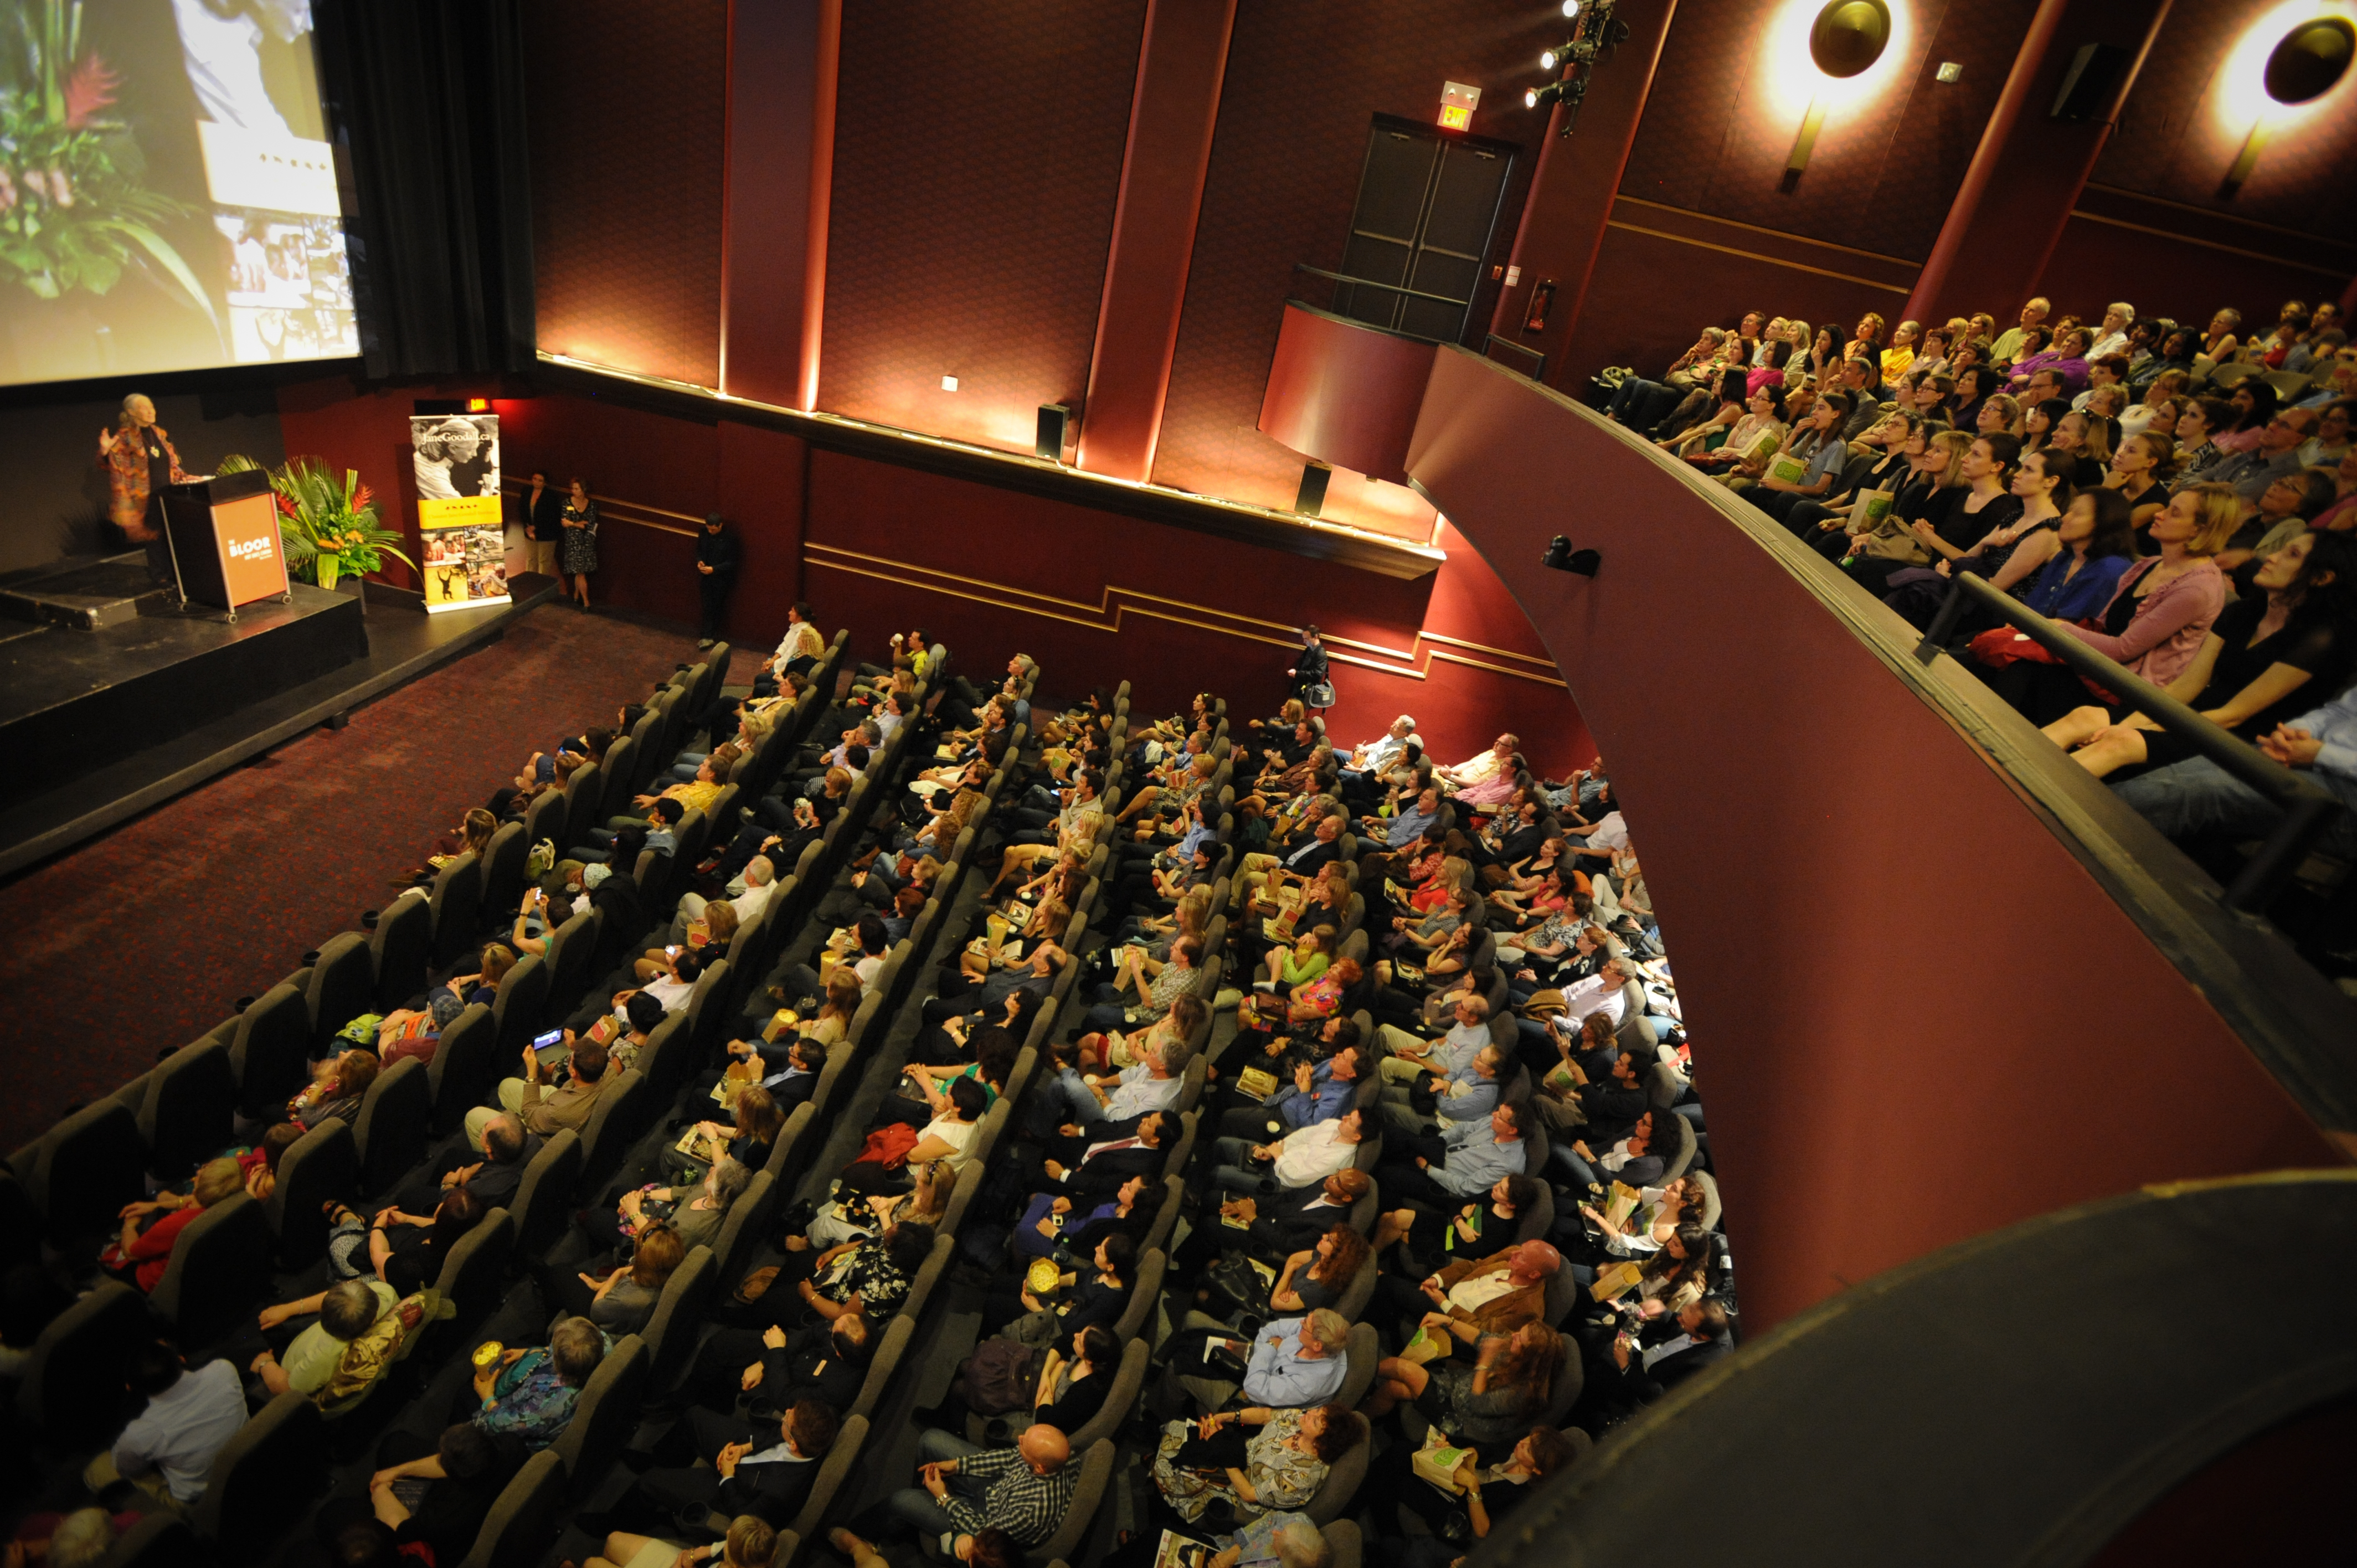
[1303, 1157]
[1449, 1056]
[167, 1450]
[760, 880]
[2111, 337]
[1376, 755]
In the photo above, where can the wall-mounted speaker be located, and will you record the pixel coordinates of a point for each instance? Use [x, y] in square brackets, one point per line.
[2088, 85]
[1055, 419]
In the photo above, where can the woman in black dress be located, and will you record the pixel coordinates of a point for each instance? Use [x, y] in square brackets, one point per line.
[577, 556]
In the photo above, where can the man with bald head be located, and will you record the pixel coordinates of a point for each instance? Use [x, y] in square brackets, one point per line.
[964, 1490]
[1476, 1298]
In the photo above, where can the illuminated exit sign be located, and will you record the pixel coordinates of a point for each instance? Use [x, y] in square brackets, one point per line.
[1458, 103]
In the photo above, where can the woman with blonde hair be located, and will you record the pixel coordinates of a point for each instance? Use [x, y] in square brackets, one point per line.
[751, 1542]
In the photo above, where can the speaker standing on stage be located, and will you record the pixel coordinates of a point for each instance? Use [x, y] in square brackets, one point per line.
[715, 565]
[579, 556]
[140, 462]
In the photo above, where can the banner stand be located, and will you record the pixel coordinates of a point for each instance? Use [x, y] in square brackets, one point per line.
[459, 518]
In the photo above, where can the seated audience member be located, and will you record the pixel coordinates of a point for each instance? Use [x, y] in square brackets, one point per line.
[751, 1542]
[548, 1110]
[141, 1253]
[2196, 797]
[1463, 1160]
[767, 1472]
[433, 1492]
[491, 1167]
[338, 1084]
[167, 1450]
[1300, 1159]
[528, 1395]
[1507, 1384]
[965, 1490]
[355, 1342]
[1469, 1510]
[1254, 1460]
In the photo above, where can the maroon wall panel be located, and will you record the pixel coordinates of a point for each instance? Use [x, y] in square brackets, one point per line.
[763, 475]
[625, 117]
[1102, 599]
[2196, 99]
[1727, 98]
[1303, 80]
[1887, 1056]
[780, 161]
[976, 163]
[1345, 393]
[2152, 256]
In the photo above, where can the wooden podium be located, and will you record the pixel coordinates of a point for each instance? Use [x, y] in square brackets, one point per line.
[225, 546]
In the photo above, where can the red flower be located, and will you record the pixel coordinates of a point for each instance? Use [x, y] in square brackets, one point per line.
[286, 506]
[90, 88]
[361, 499]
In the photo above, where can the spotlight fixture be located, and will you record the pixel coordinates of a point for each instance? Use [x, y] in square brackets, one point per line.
[1561, 557]
[2307, 62]
[1571, 7]
[1593, 30]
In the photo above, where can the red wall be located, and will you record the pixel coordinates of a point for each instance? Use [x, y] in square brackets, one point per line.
[1917, 1016]
[976, 164]
[624, 110]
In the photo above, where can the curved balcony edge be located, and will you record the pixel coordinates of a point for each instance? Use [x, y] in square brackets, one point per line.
[2006, 989]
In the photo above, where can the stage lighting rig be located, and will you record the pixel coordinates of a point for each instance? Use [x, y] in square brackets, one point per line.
[1594, 30]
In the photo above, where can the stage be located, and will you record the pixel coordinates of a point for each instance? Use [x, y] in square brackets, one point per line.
[112, 701]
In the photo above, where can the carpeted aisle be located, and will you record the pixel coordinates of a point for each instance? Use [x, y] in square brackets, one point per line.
[144, 939]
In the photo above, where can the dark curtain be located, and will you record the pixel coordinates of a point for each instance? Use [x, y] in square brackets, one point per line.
[426, 97]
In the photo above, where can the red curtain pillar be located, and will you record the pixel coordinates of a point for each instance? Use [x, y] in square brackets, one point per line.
[780, 166]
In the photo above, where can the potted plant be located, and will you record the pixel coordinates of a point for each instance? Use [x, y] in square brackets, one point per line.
[329, 525]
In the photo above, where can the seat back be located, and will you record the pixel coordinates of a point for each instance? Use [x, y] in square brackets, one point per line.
[1096, 1473]
[1685, 1154]
[400, 950]
[219, 1268]
[395, 1125]
[343, 986]
[1146, 1292]
[84, 1171]
[1363, 1354]
[261, 1478]
[473, 1274]
[517, 1533]
[746, 1222]
[521, 998]
[466, 1064]
[1662, 1087]
[457, 903]
[271, 1053]
[890, 1350]
[572, 949]
[1128, 1382]
[72, 1389]
[665, 1059]
[606, 1414]
[614, 789]
[625, 1109]
[322, 1166]
[187, 1113]
[827, 1486]
[502, 873]
[669, 1333]
[1343, 1480]
[545, 819]
[546, 1194]
[160, 1539]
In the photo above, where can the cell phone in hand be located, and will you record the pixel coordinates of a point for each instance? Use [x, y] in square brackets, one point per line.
[673, 950]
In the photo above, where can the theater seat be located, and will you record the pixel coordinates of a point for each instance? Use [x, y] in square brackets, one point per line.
[1147, 1295]
[747, 1223]
[343, 986]
[625, 1109]
[544, 822]
[1365, 1352]
[1096, 1473]
[522, 1524]
[71, 1389]
[521, 998]
[545, 1196]
[261, 1479]
[395, 1125]
[891, 1351]
[401, 948]
[604, 1415]
[572, 949]
[503, 864]
[187, 1112]
[1343, 1481]
[832, 1486]
[84, 1172]
[322, 1166]
[160, 1539]
[271, 1053]
[466, 1065]
[457, 902]
[670, 1332]
[220, 1269]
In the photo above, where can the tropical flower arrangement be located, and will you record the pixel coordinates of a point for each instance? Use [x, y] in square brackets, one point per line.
[328, 525]
[73, 214]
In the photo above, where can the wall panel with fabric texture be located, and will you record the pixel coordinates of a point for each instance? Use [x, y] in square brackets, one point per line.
[624, 102]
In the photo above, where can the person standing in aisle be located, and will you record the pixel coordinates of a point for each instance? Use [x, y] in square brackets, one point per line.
[716, 557]
[544, 520]
[1309, 671]
[579, 556]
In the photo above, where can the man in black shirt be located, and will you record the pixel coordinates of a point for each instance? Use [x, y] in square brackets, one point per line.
[716, 559]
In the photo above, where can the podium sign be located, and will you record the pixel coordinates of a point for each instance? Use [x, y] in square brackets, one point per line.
[226, 550]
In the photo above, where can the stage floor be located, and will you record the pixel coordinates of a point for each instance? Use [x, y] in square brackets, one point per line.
[55, 680]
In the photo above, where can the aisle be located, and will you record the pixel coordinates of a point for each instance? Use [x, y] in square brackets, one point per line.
[140, 941]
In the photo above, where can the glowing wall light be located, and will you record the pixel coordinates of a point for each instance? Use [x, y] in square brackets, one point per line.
[2280, 72]
[1846, 39]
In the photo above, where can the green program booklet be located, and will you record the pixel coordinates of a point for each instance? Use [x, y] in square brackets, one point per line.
[1790, 469]
[1877, 506]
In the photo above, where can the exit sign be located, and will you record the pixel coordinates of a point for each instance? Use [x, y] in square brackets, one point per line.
[1458, 103]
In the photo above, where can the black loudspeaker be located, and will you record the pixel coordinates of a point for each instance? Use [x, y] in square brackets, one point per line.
[1311, 498]
[2087, 86]
[1054, 419]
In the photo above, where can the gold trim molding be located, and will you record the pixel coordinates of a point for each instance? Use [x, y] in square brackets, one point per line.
[1115, 602]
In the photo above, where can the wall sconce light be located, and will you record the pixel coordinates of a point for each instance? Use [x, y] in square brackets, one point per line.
[1561, 557]
[2307, 62]
[1846, 40]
